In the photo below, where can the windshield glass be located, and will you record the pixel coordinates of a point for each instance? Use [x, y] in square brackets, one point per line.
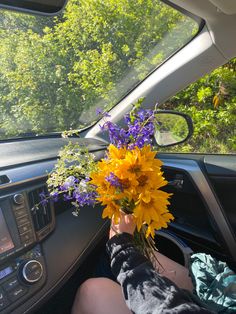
[55, 71]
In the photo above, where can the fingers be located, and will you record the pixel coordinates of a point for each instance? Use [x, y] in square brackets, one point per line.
[129, 219]
[113, 229]
[126, 224]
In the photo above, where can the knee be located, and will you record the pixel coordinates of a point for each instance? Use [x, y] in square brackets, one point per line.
[86, 295]
[89, 288]
[83, 294]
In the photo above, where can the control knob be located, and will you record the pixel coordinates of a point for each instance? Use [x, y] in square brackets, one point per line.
[31, 272]
[18, 199]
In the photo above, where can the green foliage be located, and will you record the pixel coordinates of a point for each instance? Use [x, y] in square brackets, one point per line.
[211, 103]
[55, 72]
[71, 175]
[74, 160]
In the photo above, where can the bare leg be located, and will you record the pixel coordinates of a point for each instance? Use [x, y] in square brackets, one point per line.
[175, 272]
[104, 296]
[99, 296]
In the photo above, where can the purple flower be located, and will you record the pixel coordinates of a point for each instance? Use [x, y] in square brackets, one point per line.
[145, 114]
[134, 130]
[43, 198]
[114, 181]
[106, 115]
[131, 146]
[54, 196]
[67, 197]
[140, 129]
[99, 111]
[127, 118]
[85, 198]
[42, 195]
[70, 182]
[118, 136]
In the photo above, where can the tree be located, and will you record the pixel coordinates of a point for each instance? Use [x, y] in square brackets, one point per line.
[54, 74]
[211, 103]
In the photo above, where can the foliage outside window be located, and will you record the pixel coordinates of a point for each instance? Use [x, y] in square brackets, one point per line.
[211, 103]
[55, 72]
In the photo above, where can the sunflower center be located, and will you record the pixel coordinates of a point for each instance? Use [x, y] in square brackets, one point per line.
[135, 168]
[125, 183]
[142, 180]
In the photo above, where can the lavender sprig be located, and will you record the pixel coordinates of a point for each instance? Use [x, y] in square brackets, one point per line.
[139, 132]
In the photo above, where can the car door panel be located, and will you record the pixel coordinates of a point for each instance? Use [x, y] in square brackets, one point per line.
[204, 210]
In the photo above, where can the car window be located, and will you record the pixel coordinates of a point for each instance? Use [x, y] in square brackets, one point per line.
[211, 103]
[55, 72]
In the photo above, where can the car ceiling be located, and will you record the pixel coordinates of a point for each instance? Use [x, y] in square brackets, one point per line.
[218, 21]
[226, 6]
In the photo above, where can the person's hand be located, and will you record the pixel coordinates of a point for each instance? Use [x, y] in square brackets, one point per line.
[126, 224]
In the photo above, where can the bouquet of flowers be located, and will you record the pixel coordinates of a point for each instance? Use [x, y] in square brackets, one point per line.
[127, 179]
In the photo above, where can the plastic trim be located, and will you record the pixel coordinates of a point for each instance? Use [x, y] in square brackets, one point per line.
[24, 174]
[184, 248]
[31, 7]
[213, 205]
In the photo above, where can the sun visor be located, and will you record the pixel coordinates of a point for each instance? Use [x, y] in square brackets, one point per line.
[44, 7]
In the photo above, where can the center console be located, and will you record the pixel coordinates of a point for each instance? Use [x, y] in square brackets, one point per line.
[24, 222]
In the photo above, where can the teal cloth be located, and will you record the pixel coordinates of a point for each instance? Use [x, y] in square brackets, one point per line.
[214, 283]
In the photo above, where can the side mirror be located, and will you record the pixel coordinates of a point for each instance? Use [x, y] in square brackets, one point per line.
[45, 7]
[172, 128]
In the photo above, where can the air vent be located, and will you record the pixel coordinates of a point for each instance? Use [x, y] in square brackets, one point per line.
[4, 179]
[40, 211]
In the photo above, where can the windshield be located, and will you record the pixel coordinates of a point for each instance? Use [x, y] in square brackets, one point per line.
[55, 71]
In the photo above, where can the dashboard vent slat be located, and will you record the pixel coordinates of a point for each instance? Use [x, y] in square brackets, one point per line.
[41, 213]
[4, 179]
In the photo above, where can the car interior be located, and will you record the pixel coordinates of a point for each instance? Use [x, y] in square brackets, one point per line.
[45, 254]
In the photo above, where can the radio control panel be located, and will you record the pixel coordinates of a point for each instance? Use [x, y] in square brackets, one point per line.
[21, 278]
[24, 222]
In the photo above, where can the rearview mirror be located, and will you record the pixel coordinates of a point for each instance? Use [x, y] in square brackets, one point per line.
[172, 128]
[45, 7]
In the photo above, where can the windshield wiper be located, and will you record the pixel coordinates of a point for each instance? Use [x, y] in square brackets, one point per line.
[35, 135]
[27, 134]
[38, 135]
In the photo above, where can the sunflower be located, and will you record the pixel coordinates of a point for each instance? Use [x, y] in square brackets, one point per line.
[115, 153]
[156, 225]
[151, 209]
[111, 210]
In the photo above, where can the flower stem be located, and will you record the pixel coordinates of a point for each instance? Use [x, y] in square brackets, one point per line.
[146, 245]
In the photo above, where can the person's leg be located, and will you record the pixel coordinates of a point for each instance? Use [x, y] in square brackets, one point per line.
[174, 271]
[104, 296]
[99, 296]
